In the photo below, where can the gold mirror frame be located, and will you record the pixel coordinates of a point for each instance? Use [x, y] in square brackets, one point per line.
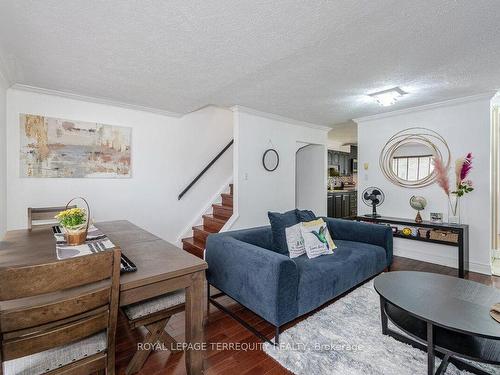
[423, 136]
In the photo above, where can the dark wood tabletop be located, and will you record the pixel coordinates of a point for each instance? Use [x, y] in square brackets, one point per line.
[155, 258]
[446, 301]
[161, 267]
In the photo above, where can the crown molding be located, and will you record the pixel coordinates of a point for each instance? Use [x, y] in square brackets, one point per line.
[445, 103]
[92, 99]
[272, 116]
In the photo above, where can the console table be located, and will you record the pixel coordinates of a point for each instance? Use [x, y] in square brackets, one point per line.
[461, 229]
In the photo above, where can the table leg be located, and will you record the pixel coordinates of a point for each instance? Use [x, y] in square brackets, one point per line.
[383, 316]
[140, 356]
[430, 349]
[194, 324]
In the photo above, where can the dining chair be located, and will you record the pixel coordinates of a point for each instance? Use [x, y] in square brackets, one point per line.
[154, 314]
[43, 215]
[60, 317]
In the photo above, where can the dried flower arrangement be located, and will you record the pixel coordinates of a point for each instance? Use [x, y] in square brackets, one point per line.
[463, 166]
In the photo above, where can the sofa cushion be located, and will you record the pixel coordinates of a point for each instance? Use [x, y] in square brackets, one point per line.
[317, 239]
[325, 277]
[295, 241]
[278, 224]
[306, 215]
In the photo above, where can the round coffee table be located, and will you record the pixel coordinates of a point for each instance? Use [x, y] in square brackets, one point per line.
[447, 316]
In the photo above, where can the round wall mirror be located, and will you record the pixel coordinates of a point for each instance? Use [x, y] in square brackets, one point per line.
[270, 160]
[406, 159]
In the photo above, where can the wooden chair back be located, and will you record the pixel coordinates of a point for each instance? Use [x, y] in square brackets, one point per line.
[54, 304]
[44, 214]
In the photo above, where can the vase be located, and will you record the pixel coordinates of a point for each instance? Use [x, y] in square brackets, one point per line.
[454, 209]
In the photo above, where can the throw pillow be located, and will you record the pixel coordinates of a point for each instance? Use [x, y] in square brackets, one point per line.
[278, 224]
[295, 241]
[317, 239]
[306, 215]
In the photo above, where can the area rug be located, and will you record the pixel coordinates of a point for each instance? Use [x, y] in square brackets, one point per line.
[345, 338]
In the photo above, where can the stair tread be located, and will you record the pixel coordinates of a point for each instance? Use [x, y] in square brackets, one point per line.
[204, 229]
[194, 242]
[223, 207]
[219, 219]
[227, 195]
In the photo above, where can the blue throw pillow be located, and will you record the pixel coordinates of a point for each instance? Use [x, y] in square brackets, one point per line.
[305, 215]
[278, 224]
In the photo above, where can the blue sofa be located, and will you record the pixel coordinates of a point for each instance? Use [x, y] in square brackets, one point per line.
[243, 265]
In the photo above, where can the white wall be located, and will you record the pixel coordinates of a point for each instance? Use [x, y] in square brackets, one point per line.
[3, 156]
[465, 125]
[258, 191]
[167, 153]
[309, 178]
[337, 146]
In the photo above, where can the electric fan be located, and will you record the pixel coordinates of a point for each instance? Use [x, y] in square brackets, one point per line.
[373, 196]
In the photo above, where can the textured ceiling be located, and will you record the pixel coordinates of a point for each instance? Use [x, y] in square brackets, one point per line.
[309, 60]
[344, 133]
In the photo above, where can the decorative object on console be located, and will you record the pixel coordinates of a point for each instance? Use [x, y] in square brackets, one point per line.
[405, 159]
[75, 222]
[443, 235]
[406, 231]
[436, 217]
[423, 232]
[462, 186]
[53, 147]
[270, 160]
[418, 203]
[495, 312]
[373, 196]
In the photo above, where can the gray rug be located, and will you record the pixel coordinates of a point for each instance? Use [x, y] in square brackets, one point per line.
[345, 338]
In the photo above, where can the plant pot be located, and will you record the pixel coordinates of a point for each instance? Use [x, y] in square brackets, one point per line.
[75, 237]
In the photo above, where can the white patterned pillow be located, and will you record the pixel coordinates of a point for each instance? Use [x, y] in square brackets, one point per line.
[295, 241]
[317, 239]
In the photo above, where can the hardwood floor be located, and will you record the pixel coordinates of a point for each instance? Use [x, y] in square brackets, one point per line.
[222, 330]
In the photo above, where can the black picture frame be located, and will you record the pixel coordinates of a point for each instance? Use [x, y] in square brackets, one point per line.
[270, 168]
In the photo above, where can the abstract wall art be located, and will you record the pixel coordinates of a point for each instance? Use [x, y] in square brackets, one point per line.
[53, 147]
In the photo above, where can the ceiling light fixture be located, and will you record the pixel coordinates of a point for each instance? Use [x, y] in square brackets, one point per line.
[388, 97]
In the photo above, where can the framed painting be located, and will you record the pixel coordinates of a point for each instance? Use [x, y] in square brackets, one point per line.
[53, 147]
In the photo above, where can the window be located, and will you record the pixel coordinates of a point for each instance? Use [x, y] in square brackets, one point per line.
[412, 168]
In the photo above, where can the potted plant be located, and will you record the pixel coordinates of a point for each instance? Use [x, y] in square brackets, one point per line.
[75, 222]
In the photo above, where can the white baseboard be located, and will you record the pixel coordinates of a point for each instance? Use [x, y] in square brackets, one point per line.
[441, 260]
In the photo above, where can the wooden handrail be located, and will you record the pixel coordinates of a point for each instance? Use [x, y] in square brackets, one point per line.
[212, 162]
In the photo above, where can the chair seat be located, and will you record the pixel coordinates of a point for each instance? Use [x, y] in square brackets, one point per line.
[144, 308]
[43, 362]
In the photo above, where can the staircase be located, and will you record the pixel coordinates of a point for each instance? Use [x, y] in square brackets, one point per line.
[212, 223]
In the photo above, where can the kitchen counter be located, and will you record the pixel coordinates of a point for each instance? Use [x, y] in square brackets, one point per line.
[342, 191]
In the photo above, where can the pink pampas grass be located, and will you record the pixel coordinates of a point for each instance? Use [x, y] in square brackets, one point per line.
[441, 175]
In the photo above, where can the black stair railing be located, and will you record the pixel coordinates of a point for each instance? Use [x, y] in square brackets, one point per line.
[212, 162]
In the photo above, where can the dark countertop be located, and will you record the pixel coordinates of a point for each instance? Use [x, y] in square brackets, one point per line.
[342, 191]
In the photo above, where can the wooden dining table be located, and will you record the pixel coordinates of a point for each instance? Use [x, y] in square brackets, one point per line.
[161, 268]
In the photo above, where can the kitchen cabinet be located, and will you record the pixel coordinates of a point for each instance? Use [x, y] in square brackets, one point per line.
[341, 161]
[342, 204]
